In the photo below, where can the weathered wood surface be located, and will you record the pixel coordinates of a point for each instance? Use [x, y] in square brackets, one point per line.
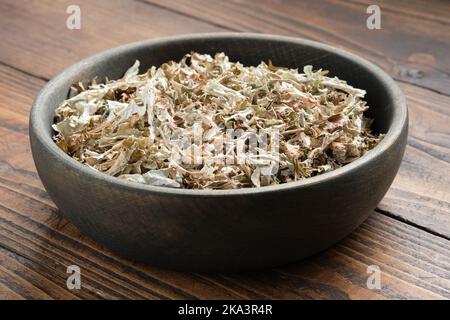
[408, 236]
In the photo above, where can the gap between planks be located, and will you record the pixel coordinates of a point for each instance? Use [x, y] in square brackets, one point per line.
[411, 223]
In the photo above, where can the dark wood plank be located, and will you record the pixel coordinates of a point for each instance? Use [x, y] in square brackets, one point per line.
[433, 11]
[420, 193]
[17, 267]
[37, 245]
[8, 294]
[409, 47]
[35, 37]
[19, 286]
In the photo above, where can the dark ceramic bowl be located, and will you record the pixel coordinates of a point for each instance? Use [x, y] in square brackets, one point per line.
[230, 230]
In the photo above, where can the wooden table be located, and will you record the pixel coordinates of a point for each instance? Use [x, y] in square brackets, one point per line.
[407, 236]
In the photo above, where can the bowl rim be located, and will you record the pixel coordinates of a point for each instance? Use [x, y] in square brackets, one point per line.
[399, 119]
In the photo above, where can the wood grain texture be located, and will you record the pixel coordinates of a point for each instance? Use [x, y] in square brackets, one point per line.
[420, 193]
[43, 51]
[415, 8]
[409, 54]
[36, 244]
